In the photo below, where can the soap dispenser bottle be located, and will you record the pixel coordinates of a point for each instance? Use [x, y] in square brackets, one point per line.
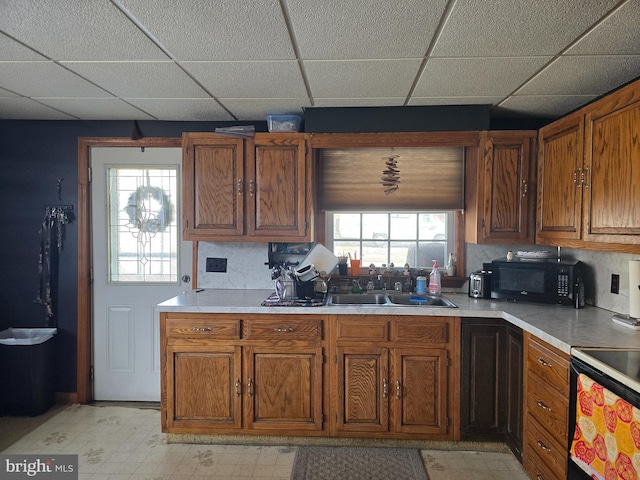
[434, 280]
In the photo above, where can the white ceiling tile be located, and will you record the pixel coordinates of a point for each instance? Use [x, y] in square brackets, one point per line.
[139, 80]
[6, 93]
[361, 78]
[461, 100]
[222, 30]
[77, 30]
[186, 109]
[280, 79]
[258, 109]
[565, 76]
[617, 35]
[45, 79]
[481, 28]
[452, 77]
[12, 50]
[22, 108]
[552, 106]
[359, 102]
[96, 108]
[364, 30]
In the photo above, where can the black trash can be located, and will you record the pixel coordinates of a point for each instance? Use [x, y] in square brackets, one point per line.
[27, 370]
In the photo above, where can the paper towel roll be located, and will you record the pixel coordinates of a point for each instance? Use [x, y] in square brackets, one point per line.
[634, 288]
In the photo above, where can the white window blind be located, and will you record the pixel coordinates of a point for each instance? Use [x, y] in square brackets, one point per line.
[422, 178]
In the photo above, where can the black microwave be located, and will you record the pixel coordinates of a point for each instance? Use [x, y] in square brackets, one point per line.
[540, 281]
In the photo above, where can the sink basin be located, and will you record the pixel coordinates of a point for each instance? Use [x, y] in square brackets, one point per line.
[357, 299]
[391, 299]
[421, 300]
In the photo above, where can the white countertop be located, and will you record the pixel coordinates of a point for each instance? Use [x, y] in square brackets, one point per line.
[561, 326]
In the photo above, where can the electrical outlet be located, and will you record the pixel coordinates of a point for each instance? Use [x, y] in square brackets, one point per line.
[216, 265]
[615, 283]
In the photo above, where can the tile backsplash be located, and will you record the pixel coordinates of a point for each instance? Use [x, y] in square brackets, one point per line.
[247, 268]
[600, 266]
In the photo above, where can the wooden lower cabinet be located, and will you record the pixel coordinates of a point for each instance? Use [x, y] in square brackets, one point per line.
[390, 376]
[259, 374]
[545, 448]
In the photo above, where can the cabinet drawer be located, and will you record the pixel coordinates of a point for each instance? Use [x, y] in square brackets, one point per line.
[540, 443]
[548, 365]
[536, 469]
[549, 408]
[203, 327]
[283, 328]
[359, 328]
[422, 331]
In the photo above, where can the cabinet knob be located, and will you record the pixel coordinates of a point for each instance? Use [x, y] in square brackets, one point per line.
[543, 446]
[541, 404]
[201, 329]
[541, 361]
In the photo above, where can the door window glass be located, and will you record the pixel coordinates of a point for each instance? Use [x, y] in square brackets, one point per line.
[143, 231]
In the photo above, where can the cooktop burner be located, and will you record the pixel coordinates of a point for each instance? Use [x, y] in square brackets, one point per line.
[275, 301]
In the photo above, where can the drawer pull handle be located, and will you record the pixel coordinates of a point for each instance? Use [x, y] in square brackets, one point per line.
[250, 387]
[542, 362]
[201, 329]
[543, 446]
[543, 406]
[385, 386]
[251, 187]
[239, 187]
[284, 330]
[237, 387]
[397, 389]
[538, 476]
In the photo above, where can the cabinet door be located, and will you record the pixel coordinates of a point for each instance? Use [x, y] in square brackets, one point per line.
[419, 390]
[204, 388]
[278, 187]
[514, 392]
[482, 384]
[212, 186]
[560, 179]
[508, 187]
[363, 389]
[284, 388]
[612, 171]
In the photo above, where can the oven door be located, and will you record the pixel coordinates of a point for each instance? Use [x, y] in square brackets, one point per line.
[607, 416]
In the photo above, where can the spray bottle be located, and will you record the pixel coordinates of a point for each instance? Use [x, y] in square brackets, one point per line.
[434, 280]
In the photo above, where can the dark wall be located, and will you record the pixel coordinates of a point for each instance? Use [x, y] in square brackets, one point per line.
[33, 155]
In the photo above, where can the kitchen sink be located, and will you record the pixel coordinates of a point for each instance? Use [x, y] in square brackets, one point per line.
[357, 299]
[390, 299]
[421, 300]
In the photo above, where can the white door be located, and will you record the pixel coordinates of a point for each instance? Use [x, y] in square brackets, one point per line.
[139, 260]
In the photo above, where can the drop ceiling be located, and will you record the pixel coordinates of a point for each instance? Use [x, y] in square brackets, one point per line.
[228, 60]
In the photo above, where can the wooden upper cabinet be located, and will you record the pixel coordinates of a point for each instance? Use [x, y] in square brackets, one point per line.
[501, 188]
[612, 169]
[588, 175]
[212, 186]
[560, 179]
[246, 190]
[279, 173]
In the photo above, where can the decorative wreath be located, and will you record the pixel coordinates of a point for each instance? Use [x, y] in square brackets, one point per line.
[149, 209]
